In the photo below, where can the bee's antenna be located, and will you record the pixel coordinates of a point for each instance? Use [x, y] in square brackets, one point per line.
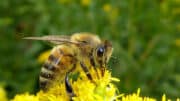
[32, 38]
[115, 59]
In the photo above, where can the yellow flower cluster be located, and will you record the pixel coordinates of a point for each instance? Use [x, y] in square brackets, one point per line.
[136, 97]
[2, 95]
[102, 90]
[25, 97]
[85, 90]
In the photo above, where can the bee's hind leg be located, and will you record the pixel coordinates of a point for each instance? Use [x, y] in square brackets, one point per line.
[69, 88]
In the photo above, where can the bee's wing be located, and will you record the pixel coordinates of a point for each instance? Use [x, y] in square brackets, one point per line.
[55, 39]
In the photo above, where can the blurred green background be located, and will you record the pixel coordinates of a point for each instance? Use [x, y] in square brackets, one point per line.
[144, 33]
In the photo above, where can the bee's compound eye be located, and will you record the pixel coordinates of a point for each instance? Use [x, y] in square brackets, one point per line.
[100, 51]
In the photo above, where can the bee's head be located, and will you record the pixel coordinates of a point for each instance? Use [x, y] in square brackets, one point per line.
[102, 54]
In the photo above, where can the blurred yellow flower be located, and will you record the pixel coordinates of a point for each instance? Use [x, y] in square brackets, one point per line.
[164, 7]
[107, 8]
[43, 56]
[164, 97]
[111, 12]
[177, 42]
[85, 2]
[176, 1]
[176, 11]
[178, 27]
[114, 14]
[3, 96]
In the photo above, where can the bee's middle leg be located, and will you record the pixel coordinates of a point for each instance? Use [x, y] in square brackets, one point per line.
[68, 87]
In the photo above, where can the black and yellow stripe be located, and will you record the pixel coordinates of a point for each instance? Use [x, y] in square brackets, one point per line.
[48, 70]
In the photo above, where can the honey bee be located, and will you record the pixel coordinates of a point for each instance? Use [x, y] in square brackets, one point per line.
[84, 49]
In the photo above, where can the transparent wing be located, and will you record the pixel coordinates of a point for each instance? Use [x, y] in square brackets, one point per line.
[54, 39]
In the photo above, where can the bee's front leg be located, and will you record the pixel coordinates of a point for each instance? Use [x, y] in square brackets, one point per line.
[69, 88]
[85, 69]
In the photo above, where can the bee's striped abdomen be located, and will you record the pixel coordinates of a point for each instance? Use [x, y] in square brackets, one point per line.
[49, 67]
[48, 71]
[60, 61]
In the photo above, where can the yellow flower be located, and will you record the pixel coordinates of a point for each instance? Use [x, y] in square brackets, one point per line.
[114, 14]
[25, 97]
[177, 42]
[177, 1]
[178, 27]
[2, 95]
[107, 8]
[164, 6]
[102, 89]
[136, 97]
[85, 2]
[43, 56]
[111, 12]
[164, 97]
[176, 11]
